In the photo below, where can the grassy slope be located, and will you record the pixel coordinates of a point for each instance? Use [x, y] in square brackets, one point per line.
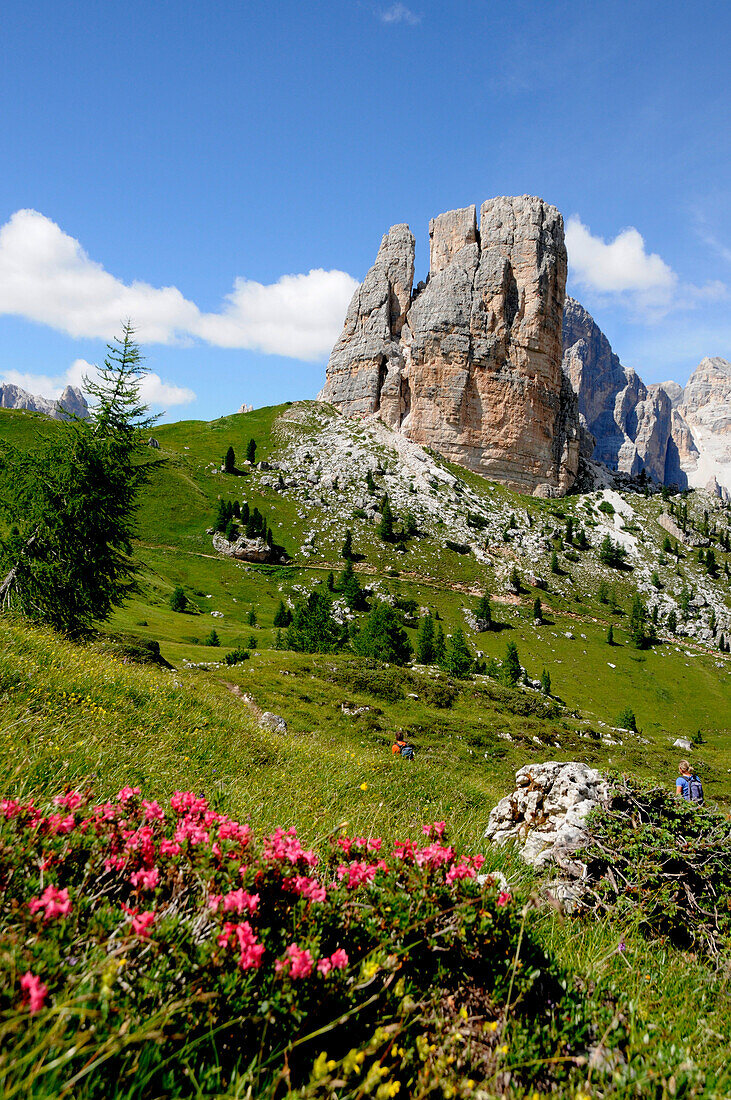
[674, 689]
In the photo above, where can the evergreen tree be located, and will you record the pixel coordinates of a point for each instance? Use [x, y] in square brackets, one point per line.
[229, 462]
[347, 551]
[721, 644]
[672, 623]
[383, 637]
[458, 660]
[603, 592]
[178, 599]
[538, 609]
[385, 524]
[74, 500]
[555, 567]
[370, 483]
[425, 640]
[667, 545]
[440, 648]
[221, 520]
[251, 618]
[638, 627]
[212, 639]
[282, 616]
[610, 635]
[279, 641]
[251, 451]
[483, 611]
[511, 669]
[230, 532]
[569, 529]
[244, 513]
[352, 592]
[711, 566]
[330, 582]
[313, 629]
[545, 682]
[655, 578]
[515, 580]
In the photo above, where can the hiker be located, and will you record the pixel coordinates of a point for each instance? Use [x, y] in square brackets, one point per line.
[688, 785]
[402, 748]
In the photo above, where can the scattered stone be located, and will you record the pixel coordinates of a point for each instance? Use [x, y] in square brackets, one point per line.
[683, 743]
[273, 722]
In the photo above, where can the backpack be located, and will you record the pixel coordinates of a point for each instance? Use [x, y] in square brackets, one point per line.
[695, 789]
[408, 752]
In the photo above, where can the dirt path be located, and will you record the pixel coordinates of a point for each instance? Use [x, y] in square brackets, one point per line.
[245, 699]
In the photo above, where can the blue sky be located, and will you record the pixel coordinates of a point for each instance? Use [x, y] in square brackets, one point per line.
[224, 172]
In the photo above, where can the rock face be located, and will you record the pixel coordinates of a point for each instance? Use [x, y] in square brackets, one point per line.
[702, 426]
[631, 422]
[71, 402]
[545, 814]
[243, 549]
[470, 362]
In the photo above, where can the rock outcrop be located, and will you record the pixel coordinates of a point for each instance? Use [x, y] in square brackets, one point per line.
[71, 402]
[545, 814]
[468, 363]
[702, 426]
[243, 549]
[631, 422]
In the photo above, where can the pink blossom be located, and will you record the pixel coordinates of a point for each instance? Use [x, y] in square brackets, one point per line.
[404, 849]
[251, 951]
[72, 800]
[169, 848]
[141, 840]
[57, 823]
[141, 924]
[153, 810]
[375, 844]
[308, 888]
[298, 962]
[345, 843]
[126, 793]
[459, 871]
[240, 901]
[283, 845]
[337, 961]
[34, 991]
[9, 807]
[359, 873]
[231, 830]
[54, 902]
[183, 801]
[148, 880]
[115, 863]
[188, 829]
[503, 897]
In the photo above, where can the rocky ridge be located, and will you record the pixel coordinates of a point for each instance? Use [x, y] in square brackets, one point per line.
[71, 402]
[468, 362]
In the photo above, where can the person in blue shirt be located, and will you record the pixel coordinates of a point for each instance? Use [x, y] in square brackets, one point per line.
[688, 785]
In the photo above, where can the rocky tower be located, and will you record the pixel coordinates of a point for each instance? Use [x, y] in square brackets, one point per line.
[631, 422]
[470, 362]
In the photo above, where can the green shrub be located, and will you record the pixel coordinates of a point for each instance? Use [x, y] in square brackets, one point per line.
[663, 860]
[236, 656]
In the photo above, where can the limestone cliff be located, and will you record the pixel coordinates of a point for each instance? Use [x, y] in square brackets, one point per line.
[470, 362]
[631, 422]
[702, 426]
[71, 402]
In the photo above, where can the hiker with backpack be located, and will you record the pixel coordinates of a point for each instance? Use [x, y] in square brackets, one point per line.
[402, 748]
[688, 785]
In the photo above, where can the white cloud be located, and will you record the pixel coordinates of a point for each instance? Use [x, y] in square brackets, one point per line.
[299, 316]
[47, 277]
[399, 13]
[153, 390]
[622, 270]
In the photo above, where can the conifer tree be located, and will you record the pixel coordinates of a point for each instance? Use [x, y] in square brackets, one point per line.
[347, 550]
[351, 590]
[251, 451]
[425, 640]
[538, 609]
[330, 581]
[178, 599]
[212, 639]
[313, 629]
[545, 682]
[385, 525]
[230, 532]
[555, 567]
[282, 616]
[440, 647]
[229, 462]
[672, 623]
[74, 499]
[610, 635]
[383, 637]
[458, 660]
[511, 664]
[483, 611]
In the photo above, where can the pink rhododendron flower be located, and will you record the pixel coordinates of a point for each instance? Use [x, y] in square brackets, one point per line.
[186, 801]
[503, 897]
[239, 901]
[169, 848]
[251, 951]
[9, 807]
[57, 823]
[153, 810]
[297, 962]
[459, 871]
[404, 849]
[141, 840]
[308, 888]
[148, 880]
[34, 991]
[126, 793]
[54, 902]
[434, 855]
[359, 873]
[141, 924]
[231, 830]
[283, 845]
[188, 829]
[72, 800]
[375, 844]
[115, 863]
[337, 961]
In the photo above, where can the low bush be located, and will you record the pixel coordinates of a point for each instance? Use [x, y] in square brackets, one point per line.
[145, 947]
[236, 656]
[665, 861]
